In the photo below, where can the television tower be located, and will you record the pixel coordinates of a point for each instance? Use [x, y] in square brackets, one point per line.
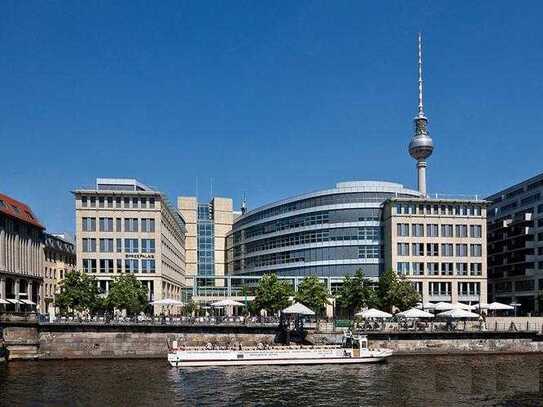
[421, 145]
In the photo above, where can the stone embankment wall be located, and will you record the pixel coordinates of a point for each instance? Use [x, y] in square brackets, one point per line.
[99, 344]
[409, 343]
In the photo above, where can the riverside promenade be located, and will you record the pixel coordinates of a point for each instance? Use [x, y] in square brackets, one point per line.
[26, 338]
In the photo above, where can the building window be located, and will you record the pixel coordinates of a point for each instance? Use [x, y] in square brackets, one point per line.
[475, 269]
[92, 202]
[446, 230]
[462, 269]
[131, 245]
[106, 245]
[106, 266]
[432, 269]
[403, 229]
[475, 231]
[432, 230]
[461, 230]
[475, 250]
[126, 203]
[131, 266]
[89, 265]
[118, 202]
[119, 265]
[89, 245]
[148, 245]
[417, 230]
[403, 249]
[110, 202]
[135, 203]
[369, 252]
[101, 202]
[131, 225]
[84, 202]
[106, 224]
[461, 250]
[119, 244]
[148, 225]
[524, 285]
[417, 249]
[417, 268]
[89, 224]
[403, 267]
[143, 202]
[447, 250]
[446, 269]
[151, 202]
[118, 224]
[439, 288]
[147, 266]
[432, 249]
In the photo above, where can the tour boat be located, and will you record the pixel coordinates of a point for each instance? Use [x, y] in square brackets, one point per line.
[353, 350]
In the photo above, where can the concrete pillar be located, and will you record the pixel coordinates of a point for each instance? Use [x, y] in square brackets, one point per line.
[3, 288]
[425, 291]
[16, 288]
[454, 291]
[421, 175]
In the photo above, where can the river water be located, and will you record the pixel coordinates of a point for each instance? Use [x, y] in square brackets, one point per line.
[483, 380]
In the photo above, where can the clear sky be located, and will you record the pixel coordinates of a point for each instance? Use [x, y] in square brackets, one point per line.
[271, 99]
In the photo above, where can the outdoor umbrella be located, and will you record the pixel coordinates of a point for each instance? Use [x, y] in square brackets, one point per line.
[480, 306]
[298, 308]
[373, 313]
[2, 301]
[428, 305]
[458, 313]
[443, 306]
[463, 306]
[227, 303]
[498, 306]
[415, 313]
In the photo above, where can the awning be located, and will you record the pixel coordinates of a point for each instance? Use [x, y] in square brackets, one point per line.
[14, 301]
[2, 301]
[27, 302]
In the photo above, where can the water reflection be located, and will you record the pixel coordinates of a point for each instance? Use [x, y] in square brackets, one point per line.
[453, 380]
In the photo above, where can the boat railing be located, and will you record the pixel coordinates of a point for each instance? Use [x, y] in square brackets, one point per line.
[273, 348]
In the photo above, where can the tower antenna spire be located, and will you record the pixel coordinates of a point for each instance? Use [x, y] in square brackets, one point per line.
[421, 108]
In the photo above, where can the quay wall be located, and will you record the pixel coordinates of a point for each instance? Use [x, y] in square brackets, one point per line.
[104, 342]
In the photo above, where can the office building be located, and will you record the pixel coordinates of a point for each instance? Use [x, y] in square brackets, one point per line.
[207, 225]
[438, 244]
[329, 233]
[21, 256]
[59, 259]
[124, 226]
[515, 245]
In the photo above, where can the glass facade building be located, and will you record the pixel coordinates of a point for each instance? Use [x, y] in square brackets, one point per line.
[330, 233]
[206, 242]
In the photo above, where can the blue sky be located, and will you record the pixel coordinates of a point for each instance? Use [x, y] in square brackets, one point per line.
[270, 99]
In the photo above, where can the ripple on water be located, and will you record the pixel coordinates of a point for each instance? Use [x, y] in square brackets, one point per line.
[484, 380]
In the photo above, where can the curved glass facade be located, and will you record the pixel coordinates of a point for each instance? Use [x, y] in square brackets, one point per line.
[329, 233]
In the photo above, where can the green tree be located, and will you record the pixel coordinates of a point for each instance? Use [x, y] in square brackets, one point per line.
[190, 308]
[396, 291]
[127, 293]
[272, 294]
[79, 292]
[356, 293]
[313, 293]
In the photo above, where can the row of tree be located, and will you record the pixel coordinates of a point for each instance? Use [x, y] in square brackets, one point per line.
[80, 292]
[357, 291]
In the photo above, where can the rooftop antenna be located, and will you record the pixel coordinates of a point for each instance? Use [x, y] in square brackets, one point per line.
[243, 204]
[421, 106]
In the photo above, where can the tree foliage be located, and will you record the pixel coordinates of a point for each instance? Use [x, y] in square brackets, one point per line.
[313, 293]
[79, 292]
[127, 293]
[272, 294]
[356, 293]
[396, 291]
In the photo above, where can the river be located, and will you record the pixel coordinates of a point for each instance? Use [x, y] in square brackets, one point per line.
[482, 380]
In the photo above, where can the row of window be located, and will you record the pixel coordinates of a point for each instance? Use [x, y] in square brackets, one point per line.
[106, 224]
[117, 202]
[432, 249]
[107, 245]
[445, 288]
[442, 210]
[318, 236]
[130, 266]
[439, 269]
[433, 230]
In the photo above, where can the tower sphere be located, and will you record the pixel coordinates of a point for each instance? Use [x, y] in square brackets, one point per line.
[421, 145]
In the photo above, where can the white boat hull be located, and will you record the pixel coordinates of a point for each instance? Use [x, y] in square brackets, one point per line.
[274, 357]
